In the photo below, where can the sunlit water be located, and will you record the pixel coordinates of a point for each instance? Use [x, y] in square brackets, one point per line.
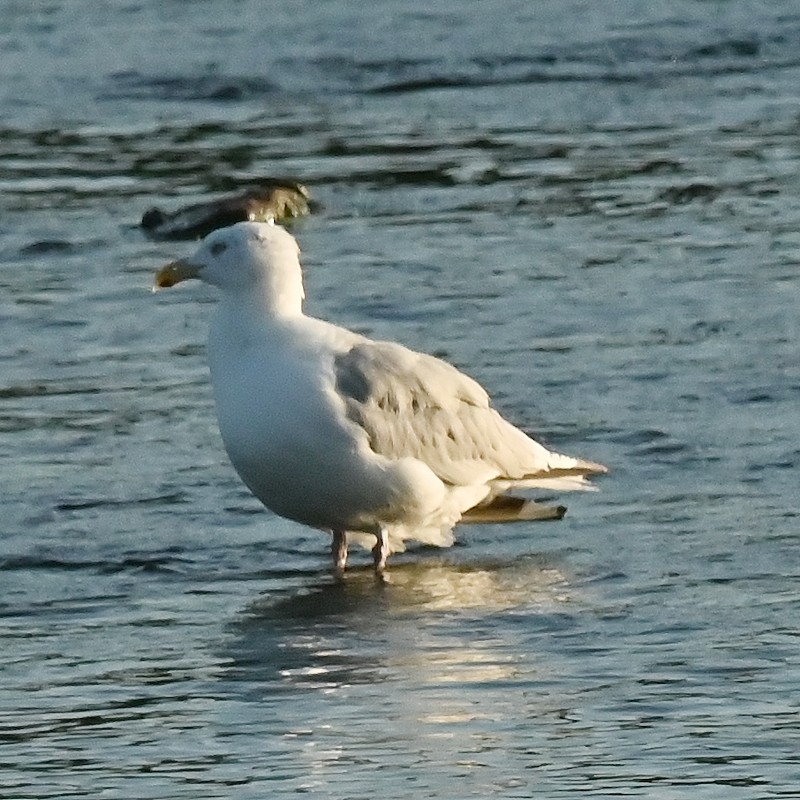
[593, 209]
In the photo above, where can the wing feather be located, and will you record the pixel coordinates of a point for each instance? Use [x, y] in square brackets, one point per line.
[414, 405]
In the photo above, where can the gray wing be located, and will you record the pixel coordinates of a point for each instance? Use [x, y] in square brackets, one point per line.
[414, 405]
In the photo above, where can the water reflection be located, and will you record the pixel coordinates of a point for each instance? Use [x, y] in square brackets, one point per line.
[424, 585]
[356, 673]
[359, 630]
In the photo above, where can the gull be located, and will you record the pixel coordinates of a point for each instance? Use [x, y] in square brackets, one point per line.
[368, 440]
[265, 200]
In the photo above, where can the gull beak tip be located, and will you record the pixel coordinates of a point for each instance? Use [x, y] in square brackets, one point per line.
[173, 273]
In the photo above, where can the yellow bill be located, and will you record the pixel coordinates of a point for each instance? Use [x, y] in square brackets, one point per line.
[174, 272]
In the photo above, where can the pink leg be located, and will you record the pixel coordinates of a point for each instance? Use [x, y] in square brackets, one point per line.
[380, 552]
[339, 551]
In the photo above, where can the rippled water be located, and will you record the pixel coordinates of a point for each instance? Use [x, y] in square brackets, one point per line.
[592, 208]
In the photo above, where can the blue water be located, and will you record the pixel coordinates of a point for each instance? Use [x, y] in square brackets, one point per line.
[590, 207]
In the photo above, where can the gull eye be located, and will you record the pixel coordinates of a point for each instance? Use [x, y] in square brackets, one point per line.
[218, 247]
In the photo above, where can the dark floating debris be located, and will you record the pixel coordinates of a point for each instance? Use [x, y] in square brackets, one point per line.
[277, 200]
[47, 246]
[680, 195]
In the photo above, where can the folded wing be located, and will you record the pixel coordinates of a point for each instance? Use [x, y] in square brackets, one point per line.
[414, 405]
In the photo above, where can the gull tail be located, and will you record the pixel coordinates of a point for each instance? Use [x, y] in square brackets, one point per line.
[507, 508]
[572, 477]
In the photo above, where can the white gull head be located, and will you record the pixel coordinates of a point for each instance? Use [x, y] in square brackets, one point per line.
[256, 260]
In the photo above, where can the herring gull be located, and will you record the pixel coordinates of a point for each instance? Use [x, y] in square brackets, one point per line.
[368, 440]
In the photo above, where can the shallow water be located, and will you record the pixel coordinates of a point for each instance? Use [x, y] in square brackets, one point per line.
[592, 208]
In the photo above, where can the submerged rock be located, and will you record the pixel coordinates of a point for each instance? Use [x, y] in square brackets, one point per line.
[276, 200]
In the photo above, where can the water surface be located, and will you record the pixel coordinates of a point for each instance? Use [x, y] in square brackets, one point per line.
[592, 208]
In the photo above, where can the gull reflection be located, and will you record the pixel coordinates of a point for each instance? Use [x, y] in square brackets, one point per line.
[432, 619]
[440, 658]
